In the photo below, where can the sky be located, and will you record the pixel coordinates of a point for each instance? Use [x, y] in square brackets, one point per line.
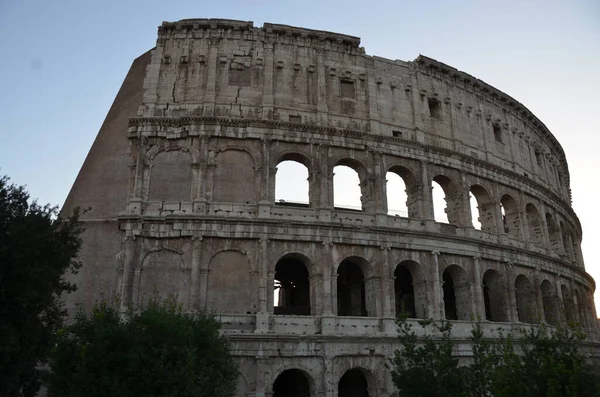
[63, 62]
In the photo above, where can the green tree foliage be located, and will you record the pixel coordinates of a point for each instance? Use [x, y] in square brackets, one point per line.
[157, 351]
[36, 250]
[535, 361]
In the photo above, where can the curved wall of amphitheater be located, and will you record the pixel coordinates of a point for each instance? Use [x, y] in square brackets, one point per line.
[182, 177]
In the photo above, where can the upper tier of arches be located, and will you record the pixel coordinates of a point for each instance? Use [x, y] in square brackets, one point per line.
[361, 181]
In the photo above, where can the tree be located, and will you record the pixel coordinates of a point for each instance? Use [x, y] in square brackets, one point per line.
[535, 361]
[36, 250]
[426, 366]
[156, 351]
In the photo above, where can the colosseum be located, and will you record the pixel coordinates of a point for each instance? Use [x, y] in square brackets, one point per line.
[182, 176]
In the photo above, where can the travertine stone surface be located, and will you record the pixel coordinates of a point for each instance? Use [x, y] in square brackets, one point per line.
[181, 184]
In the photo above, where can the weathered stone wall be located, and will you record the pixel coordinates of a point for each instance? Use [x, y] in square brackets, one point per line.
[225, 103]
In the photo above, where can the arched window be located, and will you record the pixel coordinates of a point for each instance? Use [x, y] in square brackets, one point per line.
[292, 287]
[580, 309]
[510, 216]
[291, 184]
[404, 292]
[568, 306]
[439, 203]
[550, 303]
[402, 196]
[347, 192]
[567, 242]
[291, 382]
[446, 201]
[534, 225]
[482, 209]
[525, 297]
[494, 297]
[553, 233]
[457, 295]
[351, 289]
[353, 384]
[396, 195]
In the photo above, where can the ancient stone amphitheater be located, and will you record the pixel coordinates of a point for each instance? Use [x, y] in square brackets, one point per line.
[182, 176]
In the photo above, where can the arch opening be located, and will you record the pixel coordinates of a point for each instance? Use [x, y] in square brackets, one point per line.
[567, 241]
[534, 225]
[402, 194]
[292, 186]
[568, 306]
[457, 296]
[446, 201]
[396, 195]
[291, 383]
[553, 233]
[550, 304]
[494, 297]
[347, 192]
[404, 292]
[510, 216]
[525, 297]
[292, 287]
[482, 209]
[353, 384]
[351, 299]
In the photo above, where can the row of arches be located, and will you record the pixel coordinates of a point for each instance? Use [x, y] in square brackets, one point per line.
[356, 289]
[356, 292]
[402, 191]
[503, 216]
[298, 383]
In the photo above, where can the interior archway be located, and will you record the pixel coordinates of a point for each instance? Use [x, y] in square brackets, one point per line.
[353, 384]
[494, 297]
[291, 383]
[292, 287]
[457, 294]
[525, 297]
[351, 299]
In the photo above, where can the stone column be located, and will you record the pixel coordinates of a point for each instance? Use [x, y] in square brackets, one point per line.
[200, 199]
[128, 266]
[511, 294]
[265, 287]
[387, 295]
[267, 96]
[479, 309]
[211, 81]
[378, 183]
[322, 107]
[426, 199]
[327, 279]
[195, 274]
[438, 300]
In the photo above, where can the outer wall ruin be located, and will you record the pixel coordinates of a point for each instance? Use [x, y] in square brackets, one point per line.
[181, 182]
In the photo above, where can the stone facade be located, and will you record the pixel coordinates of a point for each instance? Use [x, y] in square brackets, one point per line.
[181, 184]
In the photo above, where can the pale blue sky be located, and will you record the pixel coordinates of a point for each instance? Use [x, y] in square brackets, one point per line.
[63, 61]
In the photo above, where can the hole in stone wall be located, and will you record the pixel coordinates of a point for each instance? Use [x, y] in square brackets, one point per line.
[497, 132]
[435, 108]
